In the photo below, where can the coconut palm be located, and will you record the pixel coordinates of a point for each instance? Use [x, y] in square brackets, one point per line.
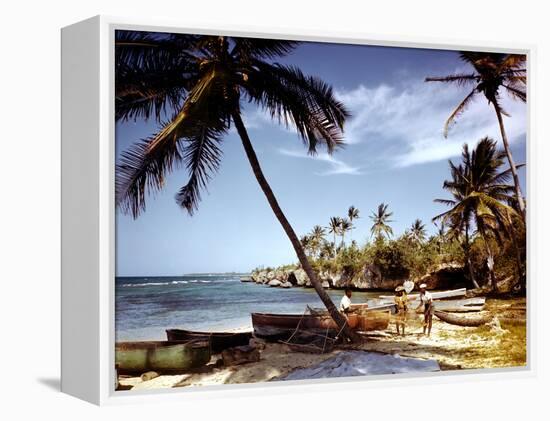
[418, 231]
[381, 219]
[201, 82]
[353, 213]
[479, 192]
[345, 226]
[334, 228]
[493, 73]
[317, 236]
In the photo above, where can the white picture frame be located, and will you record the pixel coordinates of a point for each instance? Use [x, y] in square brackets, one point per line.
[88, 211]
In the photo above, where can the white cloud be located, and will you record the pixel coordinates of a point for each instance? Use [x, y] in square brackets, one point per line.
[335, 166]
[408, 123]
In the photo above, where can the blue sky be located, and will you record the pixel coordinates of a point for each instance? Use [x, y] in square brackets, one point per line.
[395, 153]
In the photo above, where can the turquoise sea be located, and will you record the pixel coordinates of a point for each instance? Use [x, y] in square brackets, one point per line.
[146, 306]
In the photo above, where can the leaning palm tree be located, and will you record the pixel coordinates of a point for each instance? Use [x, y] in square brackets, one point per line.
[345, 226]
[334, 228]
[493, 73]
[418, 231]
[353, 213]
[480, 194]
[381, 220]
[202, 82]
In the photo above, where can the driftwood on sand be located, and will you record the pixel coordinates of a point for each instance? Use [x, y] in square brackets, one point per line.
[461, 320]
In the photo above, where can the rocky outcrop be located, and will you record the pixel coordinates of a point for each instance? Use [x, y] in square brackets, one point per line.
[444, 276]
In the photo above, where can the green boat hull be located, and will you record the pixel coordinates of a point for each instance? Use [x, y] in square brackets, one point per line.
[161, 356]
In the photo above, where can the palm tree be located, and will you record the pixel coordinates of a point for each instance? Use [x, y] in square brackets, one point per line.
[381, 220]
[203, 80]
[418, 231]
[353, 213]
[334, 228]
[345, 226]
[440, 235]
[317, 236]
[305, 240]
[479, 195]
[493, 72]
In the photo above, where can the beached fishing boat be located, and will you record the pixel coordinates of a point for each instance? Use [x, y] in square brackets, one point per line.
[461, 320]
[461, 292]
[281, 326]
[218, 340]
[161, 356]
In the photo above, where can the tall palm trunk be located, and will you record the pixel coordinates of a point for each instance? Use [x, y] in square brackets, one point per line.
[519, 196]
[490, 263]
[255, 164]
[334, 245]
[466, 247]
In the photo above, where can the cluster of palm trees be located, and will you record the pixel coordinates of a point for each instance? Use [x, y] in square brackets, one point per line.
[315, 243]
[482, 199]
[482, 203]
[194, 86]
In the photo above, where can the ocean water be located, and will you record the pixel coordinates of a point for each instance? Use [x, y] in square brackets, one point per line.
[147, 306]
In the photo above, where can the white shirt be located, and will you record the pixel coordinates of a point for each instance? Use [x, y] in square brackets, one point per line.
[426, 298]
[345, 303]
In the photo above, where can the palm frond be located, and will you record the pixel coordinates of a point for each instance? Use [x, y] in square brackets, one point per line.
[459, 79]
[304, 102]
[202, 157]
[458, 111]
[260, 48]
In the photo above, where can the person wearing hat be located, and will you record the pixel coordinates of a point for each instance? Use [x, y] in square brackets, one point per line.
[402, 304]
[426, 300]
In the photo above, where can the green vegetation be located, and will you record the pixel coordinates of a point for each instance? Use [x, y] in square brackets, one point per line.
[483, 231]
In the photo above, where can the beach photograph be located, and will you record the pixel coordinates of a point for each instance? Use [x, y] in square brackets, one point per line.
[297, 210]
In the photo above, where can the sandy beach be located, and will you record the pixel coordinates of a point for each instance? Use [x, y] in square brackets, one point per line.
[500, 343]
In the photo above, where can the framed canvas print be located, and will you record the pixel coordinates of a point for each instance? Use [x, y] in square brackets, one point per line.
[270, 209]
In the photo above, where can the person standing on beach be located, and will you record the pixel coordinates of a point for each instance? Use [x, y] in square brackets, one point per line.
[402, 303]
[426, 300]
[345, 302]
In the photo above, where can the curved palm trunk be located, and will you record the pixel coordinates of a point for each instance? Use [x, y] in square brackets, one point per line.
[254, 163]
[519, 196]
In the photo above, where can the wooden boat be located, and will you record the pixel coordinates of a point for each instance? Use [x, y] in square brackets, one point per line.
[218, 340]
[281, 326]
[461, 320]
[161, 356]
[461, 292]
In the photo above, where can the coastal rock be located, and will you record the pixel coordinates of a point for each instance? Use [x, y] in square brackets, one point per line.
[444, 276]
[274, 283]
[301, 277]
[325, 284]
[371, 277]
[286, 285]
[150, 375]
[270, 275]
[240, 355]
[260, 277]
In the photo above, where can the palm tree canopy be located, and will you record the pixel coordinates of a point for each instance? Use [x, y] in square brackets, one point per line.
[317, 233]
[381, 219]
[345, 225]
[200, 82]
[335, 225]
[479, 189]
[418, 230]
[353, 213]
[493, 72]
